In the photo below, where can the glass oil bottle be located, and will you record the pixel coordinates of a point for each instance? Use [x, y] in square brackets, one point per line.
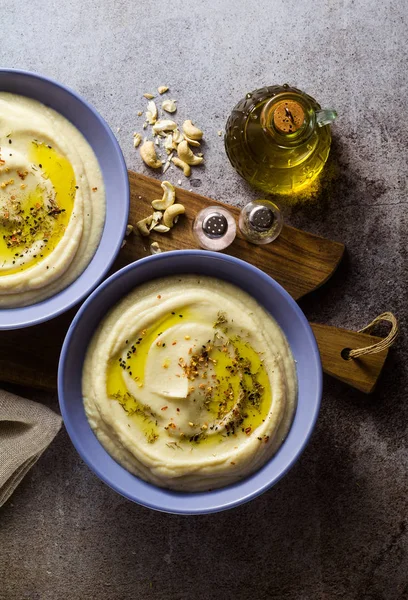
[278, 139]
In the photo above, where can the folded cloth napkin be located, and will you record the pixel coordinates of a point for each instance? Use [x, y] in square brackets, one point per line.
[26, 429]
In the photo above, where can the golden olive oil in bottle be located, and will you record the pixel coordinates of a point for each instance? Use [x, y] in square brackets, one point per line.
[278, 139]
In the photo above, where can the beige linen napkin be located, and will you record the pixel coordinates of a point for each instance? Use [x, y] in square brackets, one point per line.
[26, 429]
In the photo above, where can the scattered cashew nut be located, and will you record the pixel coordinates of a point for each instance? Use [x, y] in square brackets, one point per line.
[151, 114]
[171, 213]
[186, 154]
[162, 89]
[168, 143]
[177, 136]
[156, 218]
[167, 163]
[148, 96]
[161, 228]
[182, 165]
[142, 225]
[155, 248]
[192, 131]
[169, 106]
[168, 199]
[137, 138]
[149, 156]
[164, 125]
[191, 142]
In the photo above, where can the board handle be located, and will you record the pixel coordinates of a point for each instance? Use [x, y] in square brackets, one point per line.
[355, 357]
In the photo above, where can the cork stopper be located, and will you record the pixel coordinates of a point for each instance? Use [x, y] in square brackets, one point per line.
[288, 116]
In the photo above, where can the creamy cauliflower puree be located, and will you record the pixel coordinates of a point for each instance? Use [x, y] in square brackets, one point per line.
[52, 201]
[189, 383]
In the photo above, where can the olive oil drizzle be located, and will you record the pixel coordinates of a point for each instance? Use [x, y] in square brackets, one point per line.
[236, 396]
[35, 216]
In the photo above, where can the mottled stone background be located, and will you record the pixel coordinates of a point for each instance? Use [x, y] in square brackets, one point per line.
[336, 526]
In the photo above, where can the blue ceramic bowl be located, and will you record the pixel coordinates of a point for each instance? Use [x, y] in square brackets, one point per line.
[268, 293]
[104, 144]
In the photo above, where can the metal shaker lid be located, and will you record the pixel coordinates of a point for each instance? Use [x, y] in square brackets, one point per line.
[261, 218]
[215, 225]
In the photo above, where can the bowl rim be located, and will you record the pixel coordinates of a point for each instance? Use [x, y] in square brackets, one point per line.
[124, 173]
[93, 464]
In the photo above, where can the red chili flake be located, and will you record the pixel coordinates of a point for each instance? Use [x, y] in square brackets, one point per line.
[248, 430]
[177, 409]
[159, 296]
[174, 343]
[164, 407]
[94, 189]
[266, 438]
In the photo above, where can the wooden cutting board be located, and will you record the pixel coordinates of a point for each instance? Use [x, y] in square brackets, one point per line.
[299, 261]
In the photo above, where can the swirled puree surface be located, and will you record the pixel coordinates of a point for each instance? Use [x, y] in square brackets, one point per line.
[189, 383]
[52, 201]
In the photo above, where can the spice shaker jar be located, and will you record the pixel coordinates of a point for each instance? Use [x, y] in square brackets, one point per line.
[260, 222]
[214, 228]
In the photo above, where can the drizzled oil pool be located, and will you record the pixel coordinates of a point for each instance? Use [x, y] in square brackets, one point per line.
[235, 387]
[35, 215]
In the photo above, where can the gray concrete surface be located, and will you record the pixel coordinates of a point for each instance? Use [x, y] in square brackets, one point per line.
[336, 526]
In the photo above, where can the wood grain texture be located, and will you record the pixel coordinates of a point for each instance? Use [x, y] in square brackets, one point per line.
[361, 373]
[299, 261]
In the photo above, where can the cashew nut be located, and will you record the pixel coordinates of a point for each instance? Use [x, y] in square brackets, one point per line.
[171, 213]
[149, 156]
[186, 154]
[169, 106]
[142, 226]
[167, 163]
[151, 113]
[191, 142]
[192, 131]
[161, 228]
[177, 136]
[182, 165]
[168, 143]
[162, 89]
[137, 138]
[155, 248]
[164, 125]
[156, 217]
[168, 197]
[148, 96]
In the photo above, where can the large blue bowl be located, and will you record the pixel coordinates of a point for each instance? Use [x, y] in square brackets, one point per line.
[268, 293]
[107, 150]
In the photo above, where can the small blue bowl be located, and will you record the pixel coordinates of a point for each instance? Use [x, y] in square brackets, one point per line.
[268, 293]
[114, 172]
